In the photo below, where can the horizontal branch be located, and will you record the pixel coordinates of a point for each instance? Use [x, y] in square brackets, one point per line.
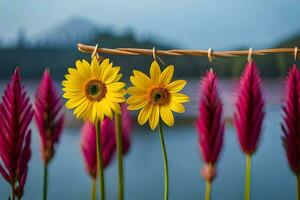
[180, 52]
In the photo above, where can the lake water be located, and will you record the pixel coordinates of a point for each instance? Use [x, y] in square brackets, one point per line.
[271, 178]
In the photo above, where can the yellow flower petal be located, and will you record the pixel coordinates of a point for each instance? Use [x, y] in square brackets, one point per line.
[139, 82]
[154, 117]
[144, 114]
[140, 75]
[155, 71]
[71, 84]
[71, 95]
[136, 91]
[80, 109]
[116, 97]
[114, 106]
[115, 87]
[118, 77]
[104, 65]
[137, 106]
[74, 102]
[87, 112]
[136, 103]
[74, 76]
[94, 112]
[178, 97]
[134, 100]
[166, 76]
[110, 74]
[72, 90]
[83, 69]
[118, 94]
[95, 68]
[176, 86]
[176, 107]
[104, 105]
[166, 115]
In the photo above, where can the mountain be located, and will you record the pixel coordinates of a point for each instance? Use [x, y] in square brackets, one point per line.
[68, 33]
[272, 65]
[56, 49]
[291, 42]
[77, 29]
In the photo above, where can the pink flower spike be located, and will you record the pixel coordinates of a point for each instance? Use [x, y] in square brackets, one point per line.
[291, 120]
[249, 113]
[48, 115]
[15, 116]
[108, 139]
[210, 124]
[126, 128]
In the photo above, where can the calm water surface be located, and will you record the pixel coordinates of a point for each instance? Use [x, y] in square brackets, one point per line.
[272, 178]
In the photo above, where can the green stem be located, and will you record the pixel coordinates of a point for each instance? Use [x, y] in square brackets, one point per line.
[45, 188]
[166, 170]
[248, 177]
[208, 190]
[118, 128]
[100, 160]
[94, 183]
[298, 186]
[13, 191]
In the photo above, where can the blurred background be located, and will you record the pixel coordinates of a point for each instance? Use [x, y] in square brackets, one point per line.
[43, 34]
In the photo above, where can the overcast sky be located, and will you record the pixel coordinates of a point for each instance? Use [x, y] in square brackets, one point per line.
[190, 23]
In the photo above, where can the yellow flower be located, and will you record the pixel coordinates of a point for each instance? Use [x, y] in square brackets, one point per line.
[156, 95]
[93, 90]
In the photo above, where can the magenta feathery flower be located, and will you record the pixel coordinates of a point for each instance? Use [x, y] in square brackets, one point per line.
[15, 116]
[88, 145]
[210, 124]
[249, 113]
[126, 128]
[291, 121]
[108, 138]
[48, 115]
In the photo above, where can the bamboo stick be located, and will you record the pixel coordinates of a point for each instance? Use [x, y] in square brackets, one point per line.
[181, 52]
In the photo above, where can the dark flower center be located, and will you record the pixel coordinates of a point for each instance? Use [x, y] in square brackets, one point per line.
[159, 95]
[95, 90]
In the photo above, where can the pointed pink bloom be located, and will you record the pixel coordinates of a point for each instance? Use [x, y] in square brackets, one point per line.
[126, 128]
[210, 124]
[15, 117]
[48, 116]
[291, 121]
[108, 136]
[249, 113]
[88, 145]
